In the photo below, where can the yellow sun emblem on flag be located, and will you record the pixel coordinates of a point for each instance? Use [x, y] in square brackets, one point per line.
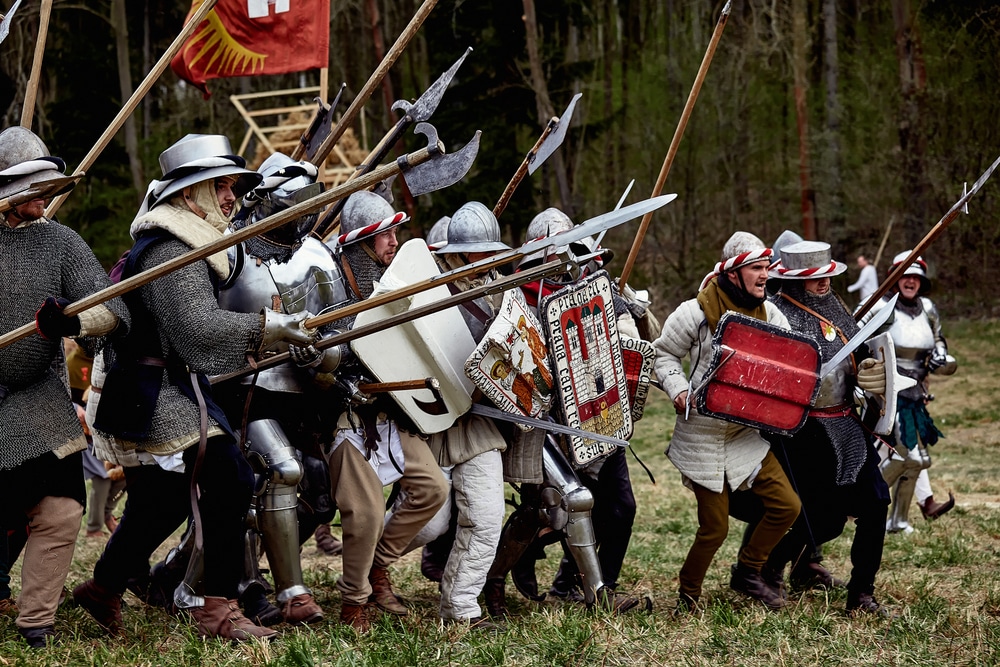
[226, 56]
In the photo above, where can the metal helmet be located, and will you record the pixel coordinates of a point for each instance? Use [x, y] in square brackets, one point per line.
[286, 183]
[197, 158]
[25, 162]
[365, 210]
[473, 228]
[917, 268]
[785, 238]
[806, 260]
[437, 237]
[548, 222]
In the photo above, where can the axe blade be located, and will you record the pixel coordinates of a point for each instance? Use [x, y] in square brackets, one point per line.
[441, 170]
[325, 125]
[427, 104]
[555, 138]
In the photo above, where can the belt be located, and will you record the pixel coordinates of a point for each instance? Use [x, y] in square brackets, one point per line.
[841, 410]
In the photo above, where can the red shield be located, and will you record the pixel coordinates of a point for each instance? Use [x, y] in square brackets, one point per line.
[761, 375]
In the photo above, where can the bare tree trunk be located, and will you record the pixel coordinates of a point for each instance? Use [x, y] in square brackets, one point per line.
[542, 102]
[799, 46]
[120, 25]
[912, 142]
[835, 212]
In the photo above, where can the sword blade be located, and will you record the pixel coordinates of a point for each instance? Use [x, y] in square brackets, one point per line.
[866, 332]
[494, 413]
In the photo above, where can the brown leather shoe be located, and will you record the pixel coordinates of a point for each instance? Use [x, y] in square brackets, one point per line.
[326, 542]
[932, 509]
[356, 616]
[811, 575]
[382, 593]
[104, 605]
[9, 608]
[301, 609]
[222, 618]
[749, 582]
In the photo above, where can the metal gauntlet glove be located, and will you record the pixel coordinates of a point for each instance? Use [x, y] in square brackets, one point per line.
[279, 327]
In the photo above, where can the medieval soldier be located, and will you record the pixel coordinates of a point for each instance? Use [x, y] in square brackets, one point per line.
[831, 459]
[45, 267]
[717, 458]
[920, 350]
[375, 445]
[156, 415]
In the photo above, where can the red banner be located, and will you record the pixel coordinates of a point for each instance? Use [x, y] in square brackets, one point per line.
[253, 37]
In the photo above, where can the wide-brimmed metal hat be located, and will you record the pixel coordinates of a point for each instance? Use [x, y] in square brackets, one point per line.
[917, 268]
[806, 260]
[197, 158]
[25, 162]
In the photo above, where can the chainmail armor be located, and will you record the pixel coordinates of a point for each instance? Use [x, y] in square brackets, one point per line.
[41, 259]
[845, 434]
[366, 272]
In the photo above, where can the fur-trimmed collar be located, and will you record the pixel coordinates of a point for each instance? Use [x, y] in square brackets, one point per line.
[180, 221]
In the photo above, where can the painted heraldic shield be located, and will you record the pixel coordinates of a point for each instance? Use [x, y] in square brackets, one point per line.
[638, 357]
[436, 345]
[586, 357]
[761, 375]
[510, 365]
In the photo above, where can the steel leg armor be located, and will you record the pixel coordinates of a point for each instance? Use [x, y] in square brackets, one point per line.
[901, 476]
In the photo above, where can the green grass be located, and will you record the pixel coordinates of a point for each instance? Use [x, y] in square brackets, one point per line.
[941, 582]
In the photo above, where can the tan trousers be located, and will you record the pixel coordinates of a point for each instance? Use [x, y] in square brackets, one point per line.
[781, 507]
[359, 497]
[54, 524]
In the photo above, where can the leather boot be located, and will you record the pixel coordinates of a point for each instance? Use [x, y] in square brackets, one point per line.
[810, 575]
[620, 603]
[749, 582]
[9, 608]
[932, 509]
[301, 609]
[496, 598]
[523, 576]
[356, 616]
[39, 637]
[222, 618]
[326, 542]
[382, 593]
[104, 605]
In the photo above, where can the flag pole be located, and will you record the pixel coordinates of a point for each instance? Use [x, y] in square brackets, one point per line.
[28, 110]
[133, 102]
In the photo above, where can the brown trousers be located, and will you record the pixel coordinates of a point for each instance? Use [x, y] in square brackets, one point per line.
[781, 507]
[358, 492]
[54, 524]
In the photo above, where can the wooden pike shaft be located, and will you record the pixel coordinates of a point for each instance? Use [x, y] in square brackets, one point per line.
[509, 282]
[137, 96]
[675, 142]
[374, 81]
[929, 238]
[28, 110]
[401, 385]
[265, 225]
[508, 192]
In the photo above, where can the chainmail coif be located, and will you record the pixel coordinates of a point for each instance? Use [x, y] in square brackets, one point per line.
[366, 273]
[845, 434]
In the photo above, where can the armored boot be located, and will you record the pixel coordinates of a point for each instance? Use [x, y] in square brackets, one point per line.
[222, 618]
[898, 521]
[932, 509]
[382, 593]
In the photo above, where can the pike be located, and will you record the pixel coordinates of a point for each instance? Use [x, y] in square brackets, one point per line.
[319, 127]
[41, 191]
[495, 287]
[936, 230]
[675, 142]
[28, 110]
[425, 170]
[373, 82]
[551, 139]
[418, 112]
[137, 96]
[555, 427]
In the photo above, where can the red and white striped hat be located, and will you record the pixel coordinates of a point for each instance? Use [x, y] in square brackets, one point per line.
[806, 260]
[741, 249]
[372, 230]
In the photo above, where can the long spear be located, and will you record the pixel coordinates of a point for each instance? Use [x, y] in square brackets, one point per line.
[265, 225]
[675, 142]
[929, 238]
[137, 96]
[373, 82]
[28, 110]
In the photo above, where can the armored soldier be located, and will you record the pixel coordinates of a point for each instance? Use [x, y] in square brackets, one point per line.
[374, 445]
[831, 459]
[156, 415]
[45, 267]
[920, 351]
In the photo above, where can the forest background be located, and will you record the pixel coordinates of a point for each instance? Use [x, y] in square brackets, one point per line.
[830, 118]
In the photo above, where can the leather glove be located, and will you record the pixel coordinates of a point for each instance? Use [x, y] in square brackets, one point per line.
[871, 376]
[280, 327]
[52, 323]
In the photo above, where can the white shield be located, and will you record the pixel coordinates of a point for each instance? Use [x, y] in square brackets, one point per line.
[436, 345]
[586, 355]
[510, 365]
[883, 349]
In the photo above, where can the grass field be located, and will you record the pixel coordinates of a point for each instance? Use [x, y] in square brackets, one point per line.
[941, 582]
